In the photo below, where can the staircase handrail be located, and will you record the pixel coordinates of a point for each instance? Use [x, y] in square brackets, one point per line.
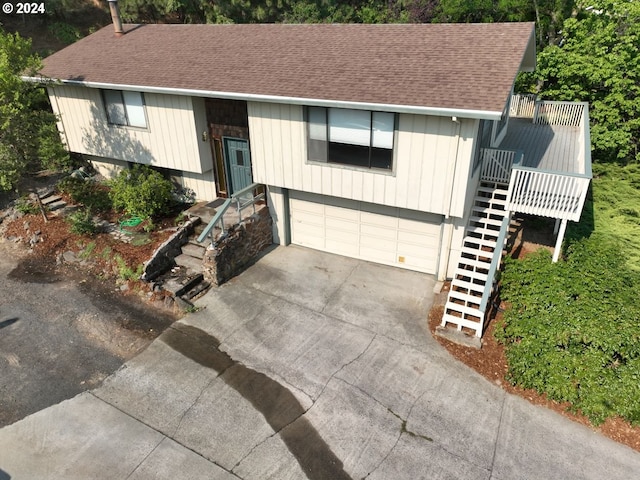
[216, 218]
[495, 263]
[236, 198]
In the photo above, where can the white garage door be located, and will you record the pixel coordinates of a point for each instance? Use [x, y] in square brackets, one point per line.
[402, 238]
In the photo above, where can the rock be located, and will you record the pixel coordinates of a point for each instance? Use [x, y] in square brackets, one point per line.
[70, 257]
[25, 224]
[124, 287]
[168, 302]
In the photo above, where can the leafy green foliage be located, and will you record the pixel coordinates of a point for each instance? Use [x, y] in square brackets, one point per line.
[141, 191]
[598, 62]
[90, 194]
[27, 126]
[614, 211]
[65, 32]
[26, 206]
[81, 222]
[125, 272]
[572, 329]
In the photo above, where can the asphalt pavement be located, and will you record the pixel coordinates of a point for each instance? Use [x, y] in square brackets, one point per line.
[307, 365]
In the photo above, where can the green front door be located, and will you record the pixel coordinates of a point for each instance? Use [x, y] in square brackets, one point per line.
[238, 162]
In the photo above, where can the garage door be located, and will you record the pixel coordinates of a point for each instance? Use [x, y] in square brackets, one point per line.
[402, 238]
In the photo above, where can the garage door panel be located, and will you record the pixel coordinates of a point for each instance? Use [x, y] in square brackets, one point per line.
[376, 233]
[379, 220]
[343, 225]
[416, 238]
[418, 227]
[342, 213]
[378, 256]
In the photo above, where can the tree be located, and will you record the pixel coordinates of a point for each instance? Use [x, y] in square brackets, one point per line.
[28, 137]
[598, 60]
[548, 14]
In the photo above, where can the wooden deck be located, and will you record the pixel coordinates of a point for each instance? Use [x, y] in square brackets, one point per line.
[553, 148]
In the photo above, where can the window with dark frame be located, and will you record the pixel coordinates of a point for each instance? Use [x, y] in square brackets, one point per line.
[125, 108]
[360, 138]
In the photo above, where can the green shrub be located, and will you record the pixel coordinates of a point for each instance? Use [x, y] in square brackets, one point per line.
[65, 32]
[82, 222]
[141, 191]
[26, 206]
[572, 328]
[92, 195]
[125, 272]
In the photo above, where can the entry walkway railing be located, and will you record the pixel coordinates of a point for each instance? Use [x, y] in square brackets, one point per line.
[247, 197]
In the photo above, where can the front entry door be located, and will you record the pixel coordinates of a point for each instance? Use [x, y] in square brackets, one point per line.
[238, 162]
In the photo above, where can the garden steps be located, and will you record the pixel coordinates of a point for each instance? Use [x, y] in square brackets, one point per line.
[463, 308]
[51, 201]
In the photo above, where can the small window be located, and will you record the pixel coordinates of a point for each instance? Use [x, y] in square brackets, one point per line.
[351, 137]
[125, 108]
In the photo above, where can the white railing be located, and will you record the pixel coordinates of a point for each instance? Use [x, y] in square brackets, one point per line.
[496, 164]
[558, 113]
[584, 142]
[547, 194]
[522, 105]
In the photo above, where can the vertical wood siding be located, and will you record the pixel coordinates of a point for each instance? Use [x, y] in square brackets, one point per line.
[172, 139]
[426, 176]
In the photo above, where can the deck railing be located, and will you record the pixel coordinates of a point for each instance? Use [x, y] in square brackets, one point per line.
[558, 113]
[247, 197]
[522, 105]
[497, 164]
[547, 194]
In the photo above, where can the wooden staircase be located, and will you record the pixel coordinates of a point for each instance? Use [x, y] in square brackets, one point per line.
[480, 256]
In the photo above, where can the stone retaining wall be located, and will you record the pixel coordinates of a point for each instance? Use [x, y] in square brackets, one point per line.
[162, 258]
[238, 247]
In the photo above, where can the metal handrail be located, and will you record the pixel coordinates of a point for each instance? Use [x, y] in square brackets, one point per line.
[216, 218]
[236, 197]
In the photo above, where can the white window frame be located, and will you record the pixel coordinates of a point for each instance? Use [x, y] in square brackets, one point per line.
[125, 108]
[361, 128]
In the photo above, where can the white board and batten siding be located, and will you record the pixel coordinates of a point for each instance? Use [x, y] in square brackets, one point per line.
[396, 217]
[172, 139]
[387, 235]
[425, 176]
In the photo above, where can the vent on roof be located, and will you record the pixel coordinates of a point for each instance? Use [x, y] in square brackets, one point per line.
[115, 17]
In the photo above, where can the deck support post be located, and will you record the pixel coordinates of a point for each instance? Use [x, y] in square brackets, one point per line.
[556, 251]
[556, 226]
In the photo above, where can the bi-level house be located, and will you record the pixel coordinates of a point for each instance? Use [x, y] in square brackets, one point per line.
[398, 144]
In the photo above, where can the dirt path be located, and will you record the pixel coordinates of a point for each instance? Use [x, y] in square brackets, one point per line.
[62, 332]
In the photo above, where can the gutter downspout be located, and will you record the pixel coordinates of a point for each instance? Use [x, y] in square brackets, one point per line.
[448, 233]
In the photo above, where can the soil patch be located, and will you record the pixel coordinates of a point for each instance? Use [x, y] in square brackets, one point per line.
[490, 361]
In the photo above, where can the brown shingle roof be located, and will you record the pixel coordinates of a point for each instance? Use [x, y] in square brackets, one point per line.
[458, 66]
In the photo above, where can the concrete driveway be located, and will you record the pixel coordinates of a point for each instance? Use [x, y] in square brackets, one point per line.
[312, 366]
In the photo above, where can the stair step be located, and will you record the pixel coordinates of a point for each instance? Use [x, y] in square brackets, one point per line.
[463, 297]
[462, 310]
[482, 231]
[491, 200]
[193, 250]
[178, 286]
[56, 205]
[190, 262]
[457, 283]
[196, 290]
[471, 274]
[485, 221]
[480, 255]
[493, 190]
[461, 322]
[481, 242]
[477, 286]
[50, 199]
